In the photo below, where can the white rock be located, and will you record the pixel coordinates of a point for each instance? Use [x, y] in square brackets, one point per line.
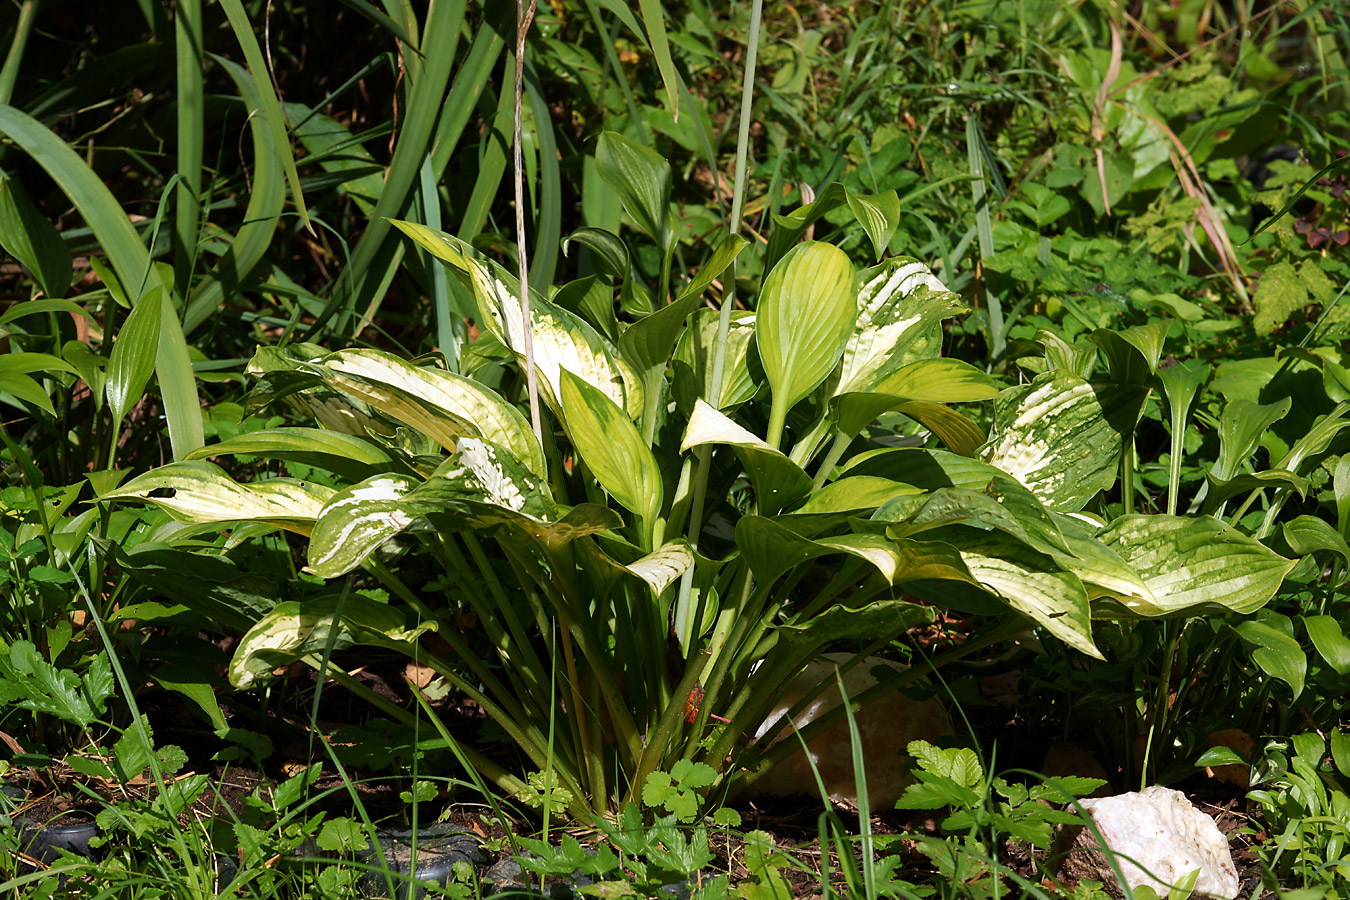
[885, 726]
[1166, 837]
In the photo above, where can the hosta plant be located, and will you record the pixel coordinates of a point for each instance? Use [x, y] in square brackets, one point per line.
[642, 567]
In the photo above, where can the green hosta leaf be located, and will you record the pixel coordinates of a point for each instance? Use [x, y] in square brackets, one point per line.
[879, 215]
[609, 254]
[1276, 652]
[1061, 436]
[28, 237]
[611, 448]
[210, 585]
[779, 482]
[294, 630]
[714, 266]
[1031, 583]
[440, 404]
[1219, 491]
[925, 469]
[1196, 563]
[1330, 641]
[133, 356]
[199, 492]
[806, 313]
[789, 228]
[641, 178]
[853, 494]
[693, 362]
[1240, 429]
[1002, 504]
[900, 311]
[592, 298]
[952, 428]
[1132, 353]
[349, 456]
[356, 521]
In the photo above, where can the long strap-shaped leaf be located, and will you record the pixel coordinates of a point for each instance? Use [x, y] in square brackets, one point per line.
[243, 31]
[118, 238]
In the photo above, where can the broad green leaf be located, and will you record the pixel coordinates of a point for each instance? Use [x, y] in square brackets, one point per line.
[900, 311]
[1317, 438]
[1308, 534]
[200, 492]
[1330, 641]
[1002, 504]
[25, 388]
[1180, 384]
[693, 362]
[608, 252]
[611, 447]
[1193, 564]
[1132, 353]
[1031, 583]
[1278, 294]
[1240, 429]
[647, 343]
[779, 482]
[592, 298]
[1219, 491]
[807, 309]
[879, 215]
[960, 434]
[356, 521]
[28, 237]
[939, 381]
[207, 583]
[725, 254]
[923, 468]
[133, 356]
[789, 228]
[42, 307]
[1277, 653]
[1061, 436]
[853, 494]
[344, 454]
[915, 390]
[90, 366]
[799, 642]
[771, 549]
[294, 630]
[1060, 354]
[641, 177]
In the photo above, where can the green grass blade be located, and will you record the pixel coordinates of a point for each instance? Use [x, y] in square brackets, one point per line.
[548, 224]
[266, 200]
[491, 164]
[984, 229]
[243, 32]
[362, 280]
[470, 80]
[190, 99]
[654, 17]
[430, 203]
[9, 73]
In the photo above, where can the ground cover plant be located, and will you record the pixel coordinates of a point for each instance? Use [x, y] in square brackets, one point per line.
[1004, 340]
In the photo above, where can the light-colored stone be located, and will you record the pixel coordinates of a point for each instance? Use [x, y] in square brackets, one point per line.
[885, 726]
[1158, 838]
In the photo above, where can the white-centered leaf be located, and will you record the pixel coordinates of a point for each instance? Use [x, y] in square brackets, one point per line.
[611, 447]
[1190, 564]
[199, 492]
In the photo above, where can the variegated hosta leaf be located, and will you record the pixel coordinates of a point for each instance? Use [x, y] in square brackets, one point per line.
[281, 375]
[294, 630]
[440, 404]
[357, 520]
[1102, 570]
[1061, 436]
[660, 568]
[1002, 504]
[561, 341]
[611, 448]
[901, 306]
[693, 362]
[771, 549]
[1193, 564]
[1031, 583]
[345, 454]
[199, 492]
[779, 482]
[806, 312]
